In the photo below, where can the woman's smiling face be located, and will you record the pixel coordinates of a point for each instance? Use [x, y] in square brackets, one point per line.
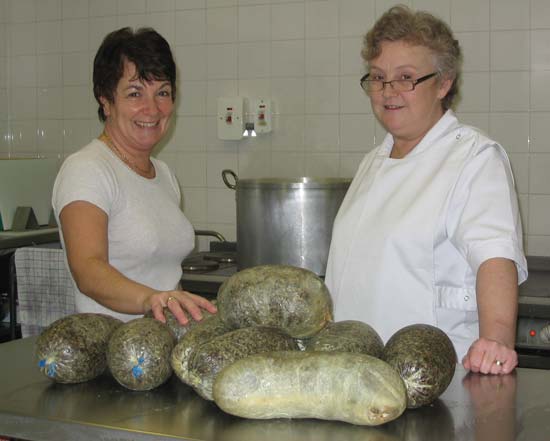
[408, 116]
[139, 115]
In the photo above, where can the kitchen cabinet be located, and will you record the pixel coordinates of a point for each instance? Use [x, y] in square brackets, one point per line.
[474, 407]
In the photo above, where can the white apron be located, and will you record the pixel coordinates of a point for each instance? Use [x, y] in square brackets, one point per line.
[389, 264]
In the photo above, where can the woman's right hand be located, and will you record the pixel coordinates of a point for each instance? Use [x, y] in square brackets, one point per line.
[180, 304]
[490, 357]
[84, 228]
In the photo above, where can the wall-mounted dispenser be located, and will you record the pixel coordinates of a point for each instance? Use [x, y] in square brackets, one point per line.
[230, 118]
[249, 131]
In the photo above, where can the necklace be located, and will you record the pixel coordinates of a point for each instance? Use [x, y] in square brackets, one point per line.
[149, 173]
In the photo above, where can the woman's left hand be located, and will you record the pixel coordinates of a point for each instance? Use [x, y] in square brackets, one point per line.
[490, 357]
[180, 302]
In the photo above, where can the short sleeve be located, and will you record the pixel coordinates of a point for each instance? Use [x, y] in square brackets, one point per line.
[82, 178]
[484, 220]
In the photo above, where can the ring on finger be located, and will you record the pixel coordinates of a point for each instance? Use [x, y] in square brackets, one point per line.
[499, 363]
[170, 298]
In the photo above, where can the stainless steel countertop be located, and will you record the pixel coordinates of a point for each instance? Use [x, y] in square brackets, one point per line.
[474, 407]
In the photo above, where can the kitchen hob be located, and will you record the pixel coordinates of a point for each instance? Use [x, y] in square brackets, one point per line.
[204, 272]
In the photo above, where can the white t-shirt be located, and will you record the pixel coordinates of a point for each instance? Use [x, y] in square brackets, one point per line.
[148, 234]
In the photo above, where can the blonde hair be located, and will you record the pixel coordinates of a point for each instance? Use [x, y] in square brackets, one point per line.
[400, 23]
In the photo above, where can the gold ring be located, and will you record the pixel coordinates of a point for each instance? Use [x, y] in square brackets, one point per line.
[170, 298]
[498, 363]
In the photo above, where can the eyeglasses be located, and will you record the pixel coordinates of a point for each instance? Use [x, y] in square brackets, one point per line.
[370, 86]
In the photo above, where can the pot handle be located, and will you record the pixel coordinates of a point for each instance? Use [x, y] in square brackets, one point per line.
[212, 233]
[226, 181]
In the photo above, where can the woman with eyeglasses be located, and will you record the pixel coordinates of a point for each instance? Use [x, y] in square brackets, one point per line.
[429, 231]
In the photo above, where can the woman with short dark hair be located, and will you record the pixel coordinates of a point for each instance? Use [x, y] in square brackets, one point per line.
[124, 233]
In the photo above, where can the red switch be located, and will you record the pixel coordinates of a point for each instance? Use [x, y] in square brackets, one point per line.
[532, 332]
[229, 119]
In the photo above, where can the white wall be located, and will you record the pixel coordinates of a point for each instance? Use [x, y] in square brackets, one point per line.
[304, 54]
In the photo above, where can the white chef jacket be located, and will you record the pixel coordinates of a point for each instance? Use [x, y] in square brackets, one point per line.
[411, 233]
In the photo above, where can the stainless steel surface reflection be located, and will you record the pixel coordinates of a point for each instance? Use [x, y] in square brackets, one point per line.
[475, 407]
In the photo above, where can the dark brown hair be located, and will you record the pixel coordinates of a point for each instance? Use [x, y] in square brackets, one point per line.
[420, 28]
[145, 48]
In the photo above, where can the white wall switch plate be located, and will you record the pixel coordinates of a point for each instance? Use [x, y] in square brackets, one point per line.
[230, 118]
[261, 109]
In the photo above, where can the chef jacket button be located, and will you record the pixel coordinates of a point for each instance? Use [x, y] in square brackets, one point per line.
[466, 298]
[458, 136]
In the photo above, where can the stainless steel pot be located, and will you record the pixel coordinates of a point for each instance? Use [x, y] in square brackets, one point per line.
[285, 221]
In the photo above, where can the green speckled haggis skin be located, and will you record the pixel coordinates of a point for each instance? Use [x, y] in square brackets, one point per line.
[347, 336]
[175, 326]
[425, 358]
[73, 348]
[211, 357]
[138, 354]
[209, 328]
[293, 299]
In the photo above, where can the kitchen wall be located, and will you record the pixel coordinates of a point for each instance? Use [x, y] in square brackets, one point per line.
[302, 53]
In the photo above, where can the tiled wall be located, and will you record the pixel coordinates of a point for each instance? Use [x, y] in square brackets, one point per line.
[302, 53]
